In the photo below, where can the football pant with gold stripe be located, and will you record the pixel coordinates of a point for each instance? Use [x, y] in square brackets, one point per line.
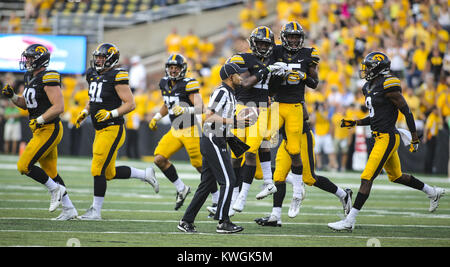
[174, 140]
[384, 155]
[283, 160]
[291, 115]
[42, 148]
[256, 133]
[107, 142]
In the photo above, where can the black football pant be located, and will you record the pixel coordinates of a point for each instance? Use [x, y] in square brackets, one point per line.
[216, 168]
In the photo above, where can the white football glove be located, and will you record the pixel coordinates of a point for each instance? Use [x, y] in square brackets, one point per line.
[282, 71]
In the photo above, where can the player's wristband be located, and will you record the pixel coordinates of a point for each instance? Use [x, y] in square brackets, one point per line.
[190, 110]
[115, 113]
[157, 116]
[14, 98]
[40, 120]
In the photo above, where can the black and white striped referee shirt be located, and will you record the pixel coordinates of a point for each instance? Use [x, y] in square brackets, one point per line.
[223, 103]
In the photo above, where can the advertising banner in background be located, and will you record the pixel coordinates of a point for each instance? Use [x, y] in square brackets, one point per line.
[68, 53]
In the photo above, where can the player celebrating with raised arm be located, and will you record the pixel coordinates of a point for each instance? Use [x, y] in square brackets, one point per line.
[110, 98]
[44, 101]
[384, 99]
[254, 92]
[182, 101]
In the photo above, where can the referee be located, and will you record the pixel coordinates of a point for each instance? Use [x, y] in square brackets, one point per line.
[216, 166]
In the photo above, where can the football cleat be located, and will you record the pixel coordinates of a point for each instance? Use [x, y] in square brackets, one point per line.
[294, 209]
[186, 227]
[434, 200]
[91, 215]
[271, 220]
[267, 190]
[343, 225]
[240, 202]
[228, 228]
[181, 196]
[150, 178]
[67, 214]
[347, 201]
[56, 197]
[212, 210]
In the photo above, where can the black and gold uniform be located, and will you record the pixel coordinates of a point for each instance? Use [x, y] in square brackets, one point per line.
[258, 95]
[184, 130]
[103, 95]
[109, 134]
[42, 147]
[290, 94]
[383, 116]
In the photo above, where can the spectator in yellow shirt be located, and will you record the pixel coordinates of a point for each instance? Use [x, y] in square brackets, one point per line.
[324, 141]
[248, 17]
[189, 44]
[341, 137]
[431, 130]
[173, 42]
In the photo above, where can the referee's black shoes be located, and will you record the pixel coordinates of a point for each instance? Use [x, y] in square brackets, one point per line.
[228, 228]
[186, 227]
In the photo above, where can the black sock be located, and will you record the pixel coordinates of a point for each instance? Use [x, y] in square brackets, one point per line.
[297, 169]
[59, 180]
[325, 184]
[248, 173]
[413, 182]
[264, 156]
[360, 200]
[99, 186]
[123, 172]
[38, 174]
[278, 197]
[237, 173]
[171, 173]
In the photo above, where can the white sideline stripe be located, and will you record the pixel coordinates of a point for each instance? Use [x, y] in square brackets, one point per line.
[237, 222]
[337, 235]
[367, 212]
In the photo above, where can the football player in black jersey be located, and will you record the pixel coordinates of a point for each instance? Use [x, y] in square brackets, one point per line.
[110, 98]
[254, 92]
[383, 98]
[43, 99]
[289, 95]
[184, 105]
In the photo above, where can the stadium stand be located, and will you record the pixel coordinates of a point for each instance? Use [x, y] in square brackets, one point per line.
[414, 34]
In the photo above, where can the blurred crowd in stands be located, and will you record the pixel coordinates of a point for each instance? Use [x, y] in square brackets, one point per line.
[414, 34]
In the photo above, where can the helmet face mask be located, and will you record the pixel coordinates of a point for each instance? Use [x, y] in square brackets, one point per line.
[176, 67]
[34, 57]
[373, 65]
[106, 56]
[292, 36]
[262, 41]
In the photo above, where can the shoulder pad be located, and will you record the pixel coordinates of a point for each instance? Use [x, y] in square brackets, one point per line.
[121, 75]
[192, 85]
[51, 76]
[238, 59]
[391, 81]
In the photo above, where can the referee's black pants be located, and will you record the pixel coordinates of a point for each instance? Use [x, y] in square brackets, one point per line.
[216, 168]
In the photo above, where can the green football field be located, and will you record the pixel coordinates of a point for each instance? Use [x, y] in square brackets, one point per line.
[133, 215]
